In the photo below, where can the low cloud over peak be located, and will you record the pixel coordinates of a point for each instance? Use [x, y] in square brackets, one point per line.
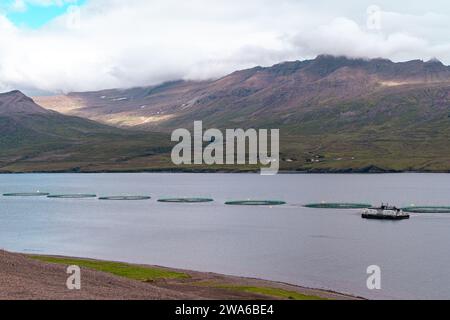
[111, 43]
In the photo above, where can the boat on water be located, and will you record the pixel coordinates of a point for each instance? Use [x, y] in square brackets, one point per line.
[385, 212]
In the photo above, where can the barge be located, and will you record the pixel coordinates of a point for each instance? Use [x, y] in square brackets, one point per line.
[385, 212]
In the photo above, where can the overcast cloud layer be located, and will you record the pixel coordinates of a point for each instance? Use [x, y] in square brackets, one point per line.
[115, 43]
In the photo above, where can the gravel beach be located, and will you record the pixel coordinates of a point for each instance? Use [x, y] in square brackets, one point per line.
[23, 278]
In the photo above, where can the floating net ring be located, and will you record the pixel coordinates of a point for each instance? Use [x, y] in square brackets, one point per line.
[186, 200]
[26, 194]
[338, 205]
[255, 203]
[125, 198]
[72, 196]
[427, 209]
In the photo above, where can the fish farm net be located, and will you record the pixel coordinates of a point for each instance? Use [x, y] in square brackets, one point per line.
[255, 203]
[72, 196]
[338, 205]
[26, 194]
[427, 209]
[186, 200]
[125, 198]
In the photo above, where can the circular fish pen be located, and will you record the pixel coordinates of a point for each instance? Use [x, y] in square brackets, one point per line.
[255, 203]
[427, 209]
[26, 194]
[338, 206]
[125, 198]
[72, 196]
[186, 200]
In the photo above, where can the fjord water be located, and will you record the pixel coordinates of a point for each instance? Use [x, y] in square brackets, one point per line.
[328, 249]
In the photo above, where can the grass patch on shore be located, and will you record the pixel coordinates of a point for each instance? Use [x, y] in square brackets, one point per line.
[274, 292]
[125, 270]
[266, 291]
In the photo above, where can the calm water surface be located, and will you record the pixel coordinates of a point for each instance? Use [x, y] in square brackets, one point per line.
[328, 249]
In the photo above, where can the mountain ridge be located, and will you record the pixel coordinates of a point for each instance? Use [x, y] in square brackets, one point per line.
[334, 114]
[15, 102]
[289, 87]
[36, 139]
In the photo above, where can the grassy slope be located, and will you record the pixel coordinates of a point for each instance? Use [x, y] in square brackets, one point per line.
[119, 269]
[339, 153]
[62, 143]
[151, 274]
[402, 129]
[267, 291]
[273, 292]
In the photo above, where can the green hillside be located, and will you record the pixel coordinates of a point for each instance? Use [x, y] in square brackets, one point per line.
[334, 114]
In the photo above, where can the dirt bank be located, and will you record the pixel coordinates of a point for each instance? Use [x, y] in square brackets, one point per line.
[24, 278]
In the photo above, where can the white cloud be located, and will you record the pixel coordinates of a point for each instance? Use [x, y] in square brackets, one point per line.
[18, 5]
[22, 5]
[112, 43]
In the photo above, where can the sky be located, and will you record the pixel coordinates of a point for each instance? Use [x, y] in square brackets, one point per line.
[59, 46]
[35, 14]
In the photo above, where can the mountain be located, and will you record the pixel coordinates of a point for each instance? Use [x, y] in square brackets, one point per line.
[335, 113]
[36, 139]
[16, 103]
[282, 94]
[23, 122]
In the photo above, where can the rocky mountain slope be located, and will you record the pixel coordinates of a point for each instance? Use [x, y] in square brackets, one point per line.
[291, 93]
[36, 139]
[335, 113]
